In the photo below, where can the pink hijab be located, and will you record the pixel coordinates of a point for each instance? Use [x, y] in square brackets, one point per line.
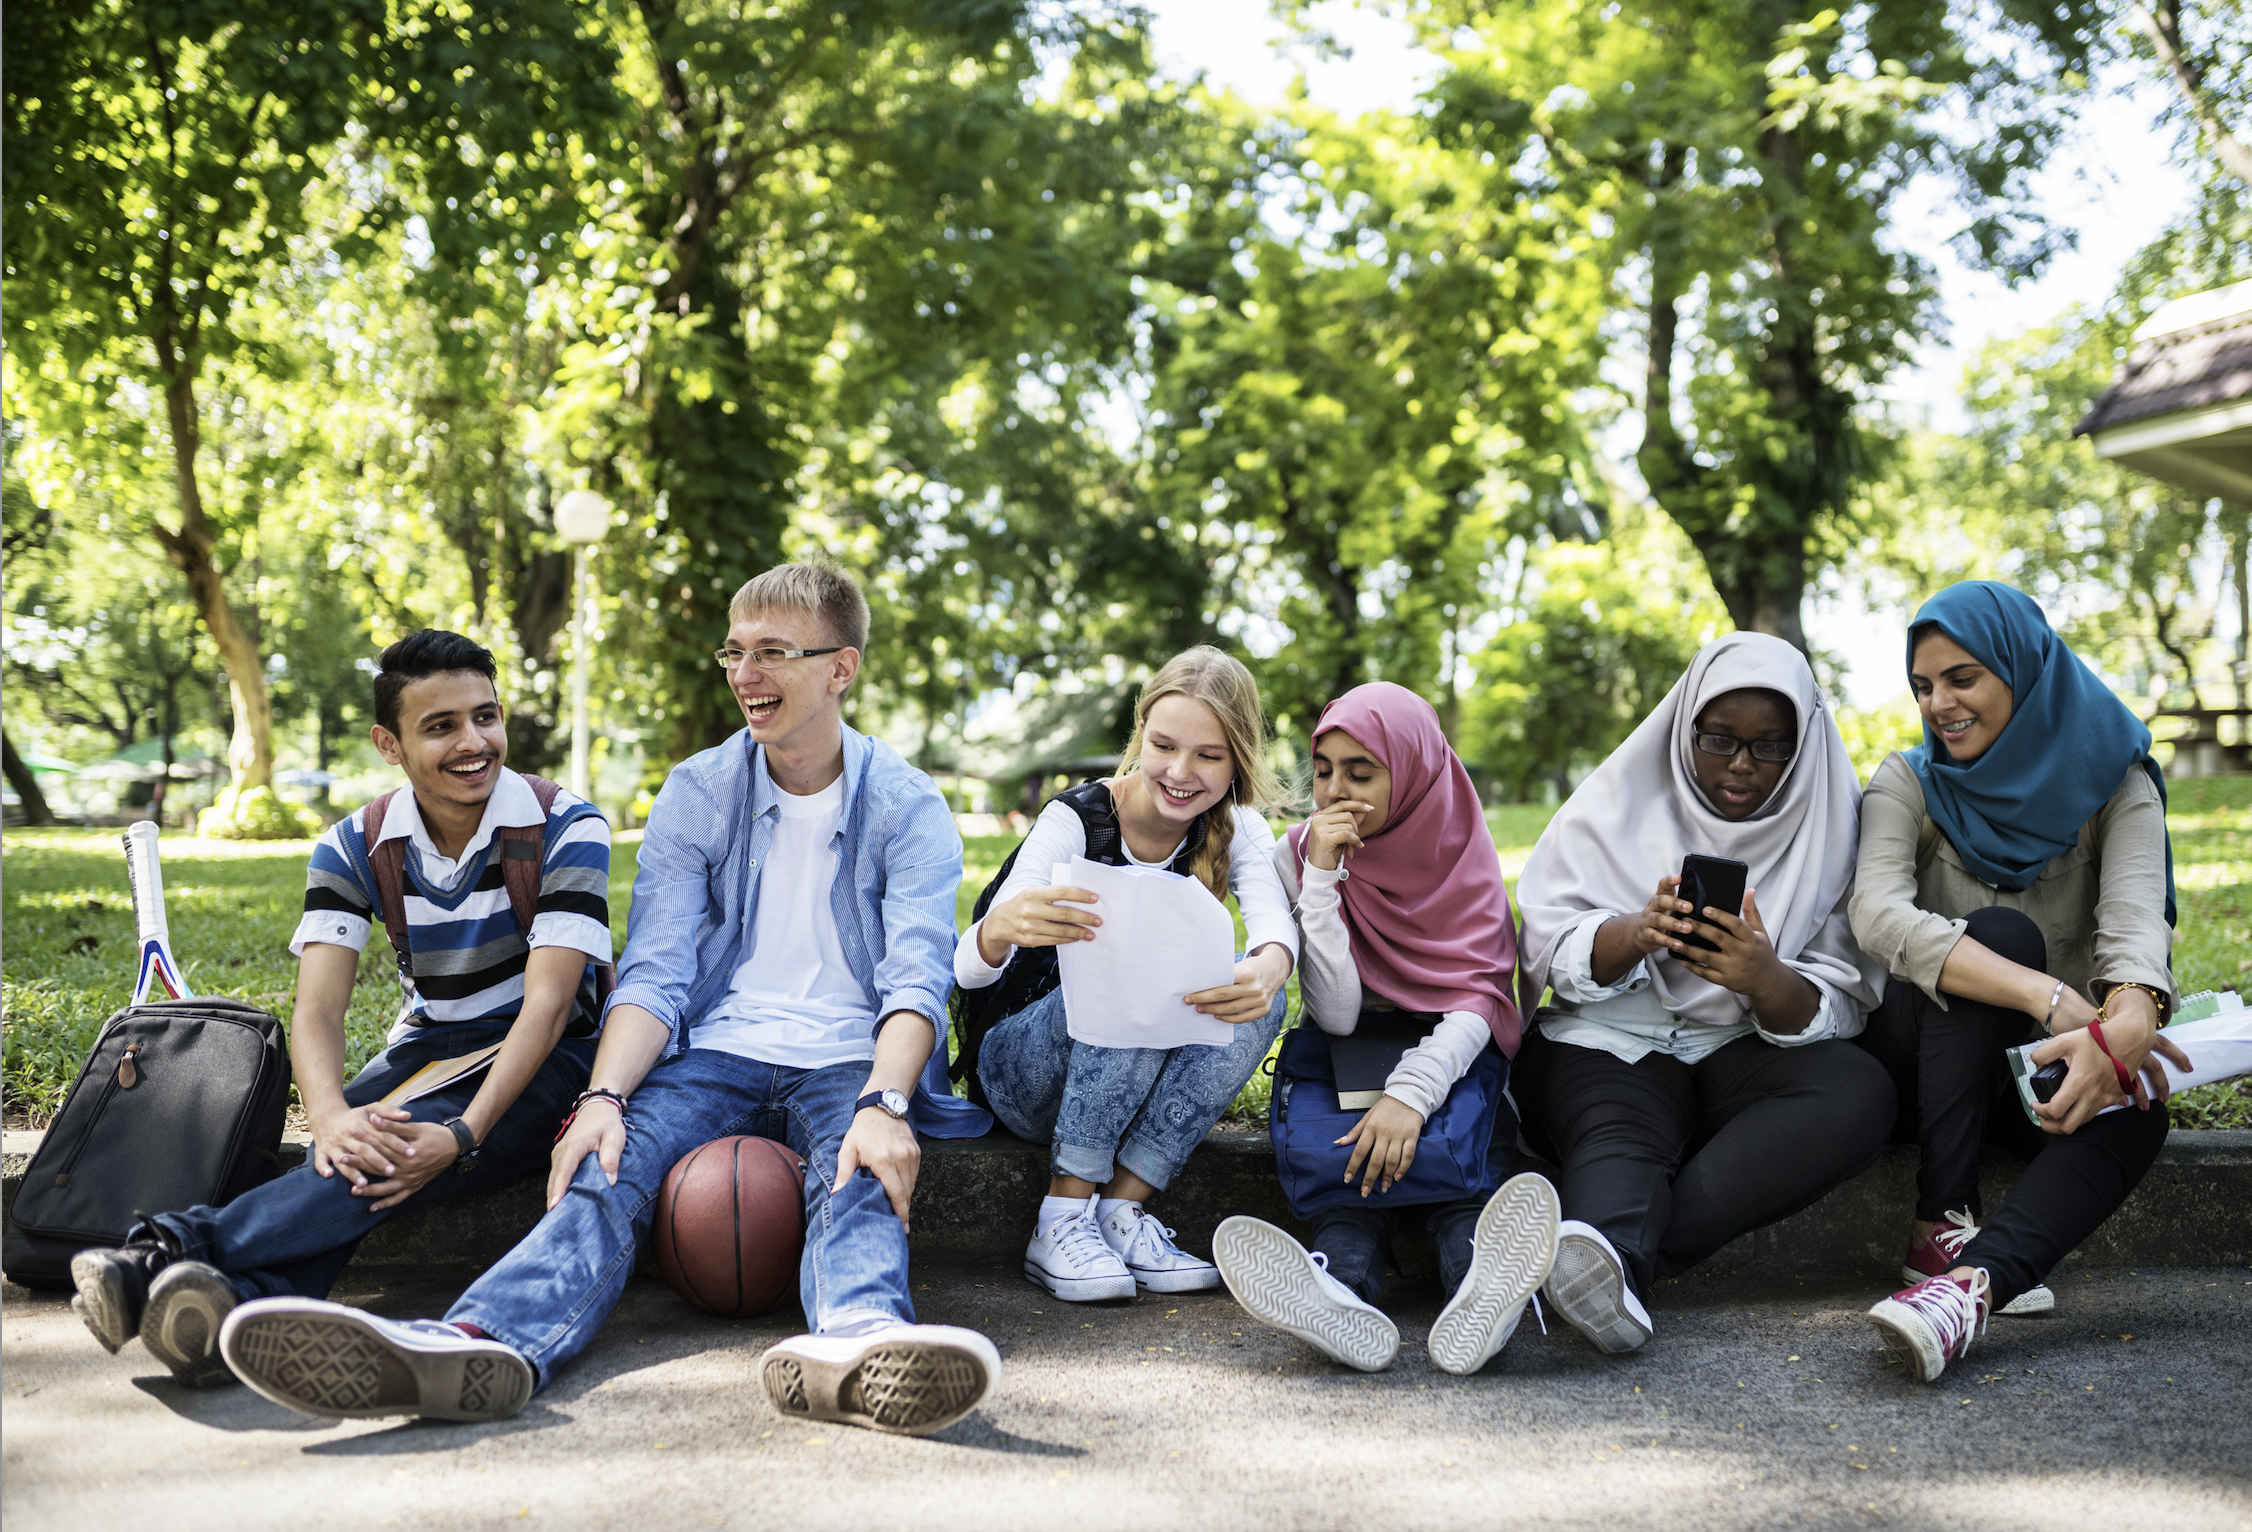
[1429, 919]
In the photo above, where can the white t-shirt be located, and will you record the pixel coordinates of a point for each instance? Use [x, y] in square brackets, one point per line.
[794, 1001]
[1058, 835]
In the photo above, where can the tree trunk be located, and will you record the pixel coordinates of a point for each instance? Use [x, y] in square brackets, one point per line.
[250, 753]
[20, 777]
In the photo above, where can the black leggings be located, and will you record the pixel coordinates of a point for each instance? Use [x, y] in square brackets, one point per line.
[1956, 1093]
[1671, 1161]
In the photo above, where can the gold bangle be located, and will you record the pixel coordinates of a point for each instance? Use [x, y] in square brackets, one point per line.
[2157, 1000]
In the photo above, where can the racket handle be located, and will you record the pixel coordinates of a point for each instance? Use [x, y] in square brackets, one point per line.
[146, 875]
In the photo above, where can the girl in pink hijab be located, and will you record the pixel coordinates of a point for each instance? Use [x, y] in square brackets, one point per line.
[1405, 928]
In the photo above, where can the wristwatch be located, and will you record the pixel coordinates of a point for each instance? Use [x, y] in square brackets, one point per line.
[465, 1142]
[889, 1100]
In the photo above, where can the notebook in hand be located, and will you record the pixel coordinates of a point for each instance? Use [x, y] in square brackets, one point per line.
[1363, 1059]
[435, 1076]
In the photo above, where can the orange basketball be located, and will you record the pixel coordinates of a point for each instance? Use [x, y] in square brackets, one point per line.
[731, 1226]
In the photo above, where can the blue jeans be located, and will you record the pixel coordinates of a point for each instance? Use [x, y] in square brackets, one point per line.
[547, 1297]
[293, 1236]
[1142, 1110]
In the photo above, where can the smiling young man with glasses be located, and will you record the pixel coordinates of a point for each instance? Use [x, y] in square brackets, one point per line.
[787, 963]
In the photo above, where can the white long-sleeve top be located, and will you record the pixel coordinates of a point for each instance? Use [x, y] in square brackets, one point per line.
[1626, 1020]
[1058, 836]
[1329, 990]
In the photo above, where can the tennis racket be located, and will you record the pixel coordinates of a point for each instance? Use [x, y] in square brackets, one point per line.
[142, 871]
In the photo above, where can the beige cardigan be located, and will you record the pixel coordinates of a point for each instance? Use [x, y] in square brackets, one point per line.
[2101, 906]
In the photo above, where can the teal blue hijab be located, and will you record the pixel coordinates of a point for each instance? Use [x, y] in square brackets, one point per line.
[2068, 743]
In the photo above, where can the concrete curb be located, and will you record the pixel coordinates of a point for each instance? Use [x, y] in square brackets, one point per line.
[977, 1197]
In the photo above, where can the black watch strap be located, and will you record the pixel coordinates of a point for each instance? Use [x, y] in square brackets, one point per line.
[465, 1141]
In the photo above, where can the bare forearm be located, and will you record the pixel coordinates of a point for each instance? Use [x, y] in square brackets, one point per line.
[633, 1039]
[550, 988]
[903, 1047]
[1788, 1003]
[316, 1024]
[1614, 953]
[1976, 972]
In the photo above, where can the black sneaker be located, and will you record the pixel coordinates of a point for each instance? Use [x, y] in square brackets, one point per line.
[187, 1303]
[113, 1288]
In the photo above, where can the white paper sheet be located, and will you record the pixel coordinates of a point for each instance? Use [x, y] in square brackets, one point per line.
[2220, 1048]
[1163, 937]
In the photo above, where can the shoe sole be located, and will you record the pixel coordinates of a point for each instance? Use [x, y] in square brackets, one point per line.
[908, 1388]
[1589, 1291]
[1276, 1282]
[101, 1300]
[1175, 1281]
[1082, 1289]
[1910, 1338]
[340, 1366]
[181, 1326]
[1511, 1255]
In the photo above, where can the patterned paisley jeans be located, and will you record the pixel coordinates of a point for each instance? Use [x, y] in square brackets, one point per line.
[1142, 1110]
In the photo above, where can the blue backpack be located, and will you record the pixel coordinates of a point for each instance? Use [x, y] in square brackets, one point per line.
[1304, 1120]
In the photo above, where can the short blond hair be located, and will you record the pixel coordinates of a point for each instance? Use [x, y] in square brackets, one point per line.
[817, 587]
[1219, 681]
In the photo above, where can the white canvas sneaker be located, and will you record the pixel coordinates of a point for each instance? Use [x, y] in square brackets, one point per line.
[1070, 1258]
[1588, 1286]
[1157, 1264]
[346, 1364]
[1280, 1283]
[1511, 1254]
[893, 1376]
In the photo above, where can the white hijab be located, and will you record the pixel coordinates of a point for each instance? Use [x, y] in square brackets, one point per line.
[1631, 823]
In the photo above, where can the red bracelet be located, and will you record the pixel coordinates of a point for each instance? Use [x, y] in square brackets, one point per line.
[2126, 1080]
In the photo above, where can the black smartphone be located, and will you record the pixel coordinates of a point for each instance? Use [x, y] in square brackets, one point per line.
[2048, 1080]
[1715, 882]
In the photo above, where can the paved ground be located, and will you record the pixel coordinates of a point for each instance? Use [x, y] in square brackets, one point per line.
[1762, 1402]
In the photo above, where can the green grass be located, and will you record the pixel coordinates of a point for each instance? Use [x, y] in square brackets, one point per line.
[68, 960]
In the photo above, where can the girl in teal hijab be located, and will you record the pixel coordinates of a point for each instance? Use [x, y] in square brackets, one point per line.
[2067, 744]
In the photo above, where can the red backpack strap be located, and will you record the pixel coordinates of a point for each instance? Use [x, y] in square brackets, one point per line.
[523, 852]
[388, 861]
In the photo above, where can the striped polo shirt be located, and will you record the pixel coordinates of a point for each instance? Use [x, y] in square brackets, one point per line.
[469, 955]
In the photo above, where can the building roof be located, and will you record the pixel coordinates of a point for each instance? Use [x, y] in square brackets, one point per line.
[2191, 354]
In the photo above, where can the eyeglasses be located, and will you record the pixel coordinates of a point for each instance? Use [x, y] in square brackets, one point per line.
[1726, 745]
[766, 659]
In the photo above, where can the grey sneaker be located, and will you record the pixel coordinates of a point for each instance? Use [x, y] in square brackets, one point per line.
[1279, 1282]
[187, 1304]
[1511, 1254]
[1588, 1286]
[342, 1363]
[113, 1288]
[907, 1379]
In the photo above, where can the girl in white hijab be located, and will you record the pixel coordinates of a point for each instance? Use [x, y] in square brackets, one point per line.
[1694, 1096]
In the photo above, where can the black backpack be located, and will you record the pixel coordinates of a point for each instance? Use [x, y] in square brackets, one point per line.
[1032, 972]
[179, 1104]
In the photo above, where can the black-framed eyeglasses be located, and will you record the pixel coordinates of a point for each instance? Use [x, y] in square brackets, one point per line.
[766, 659]
[1726, 745]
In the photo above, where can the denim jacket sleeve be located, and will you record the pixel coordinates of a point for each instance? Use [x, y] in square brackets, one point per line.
[922, 870]
[672, 897]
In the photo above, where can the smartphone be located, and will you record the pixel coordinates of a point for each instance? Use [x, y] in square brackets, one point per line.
[2048, 1080]
[1716, 882]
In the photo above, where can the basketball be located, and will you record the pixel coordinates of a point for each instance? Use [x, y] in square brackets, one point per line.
[731, 1225]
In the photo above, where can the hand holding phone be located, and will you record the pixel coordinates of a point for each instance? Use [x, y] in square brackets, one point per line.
[1715, 882]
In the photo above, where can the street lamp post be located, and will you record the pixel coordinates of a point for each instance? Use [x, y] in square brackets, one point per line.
[581, 517]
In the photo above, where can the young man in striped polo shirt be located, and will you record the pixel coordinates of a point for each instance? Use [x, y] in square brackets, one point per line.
[472, 980]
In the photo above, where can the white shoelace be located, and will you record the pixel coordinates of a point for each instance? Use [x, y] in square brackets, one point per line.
[1953, 1309]
[1952, 1240]
[1078, 1241]
[1150, 1239]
